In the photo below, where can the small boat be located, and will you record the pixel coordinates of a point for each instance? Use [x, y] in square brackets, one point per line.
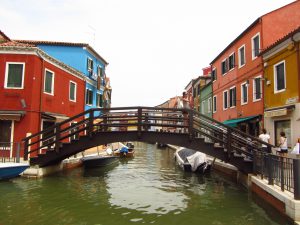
[125, 150]
[11, 170]
[191, 160]
[100, 160]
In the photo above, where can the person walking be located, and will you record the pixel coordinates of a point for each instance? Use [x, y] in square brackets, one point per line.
[266, 138]
[283, 144]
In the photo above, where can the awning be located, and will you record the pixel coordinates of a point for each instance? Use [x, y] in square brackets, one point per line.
[54, 116]
[11, 115]
[234, 122]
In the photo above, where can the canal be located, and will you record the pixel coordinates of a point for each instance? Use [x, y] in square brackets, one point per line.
[149, 189]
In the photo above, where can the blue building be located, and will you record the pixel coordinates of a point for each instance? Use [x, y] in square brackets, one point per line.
[85, 59]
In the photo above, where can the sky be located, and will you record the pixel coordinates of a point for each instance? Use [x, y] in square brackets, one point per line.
[153, 47]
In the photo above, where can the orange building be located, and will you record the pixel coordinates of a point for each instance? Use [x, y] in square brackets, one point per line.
[237, 71]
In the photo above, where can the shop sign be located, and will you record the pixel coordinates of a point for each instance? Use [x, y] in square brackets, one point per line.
[273, 113]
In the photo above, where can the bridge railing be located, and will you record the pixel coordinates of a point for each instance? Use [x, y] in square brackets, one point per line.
[10, 151]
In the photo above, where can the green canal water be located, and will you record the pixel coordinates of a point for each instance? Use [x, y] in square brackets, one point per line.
[149, 189]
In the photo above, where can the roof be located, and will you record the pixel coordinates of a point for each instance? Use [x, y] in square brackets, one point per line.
[287, 36]
[247, 29]
[4, 36]
[57, 43]
[15, 44]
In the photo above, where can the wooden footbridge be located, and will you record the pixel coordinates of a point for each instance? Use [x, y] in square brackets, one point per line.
[186, 128]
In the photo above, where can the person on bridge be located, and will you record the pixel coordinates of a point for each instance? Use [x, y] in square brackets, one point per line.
[283, 144]
[266, 138]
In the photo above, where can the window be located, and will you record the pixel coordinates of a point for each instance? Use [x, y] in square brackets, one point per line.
[232, 97]
[90, 65]
[72, 91]
[279, 77]
[225, 100]
[99, 100]
[214, 104]
[49, 82]
[257, 89]
[202, 107]
[194, 92]
[89, 97]
[244, 93]
[14, 75]
[224, 67]
[99, 71]
[242, 59]
[255, 46]
[214, 74]
[198, 89]
[209, 105]
[231, 61]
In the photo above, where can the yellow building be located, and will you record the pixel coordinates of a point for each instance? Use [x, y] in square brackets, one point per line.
[281, 90]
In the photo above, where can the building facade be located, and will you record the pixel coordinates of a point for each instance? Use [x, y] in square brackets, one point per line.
[282, 88]
[237, 71]
[85, 59]
[36, 91]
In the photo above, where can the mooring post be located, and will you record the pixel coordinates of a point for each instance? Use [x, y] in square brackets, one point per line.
[18, 152]
[296, 170]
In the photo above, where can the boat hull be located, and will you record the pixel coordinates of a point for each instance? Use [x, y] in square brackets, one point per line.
[11, 170]
[99, 161]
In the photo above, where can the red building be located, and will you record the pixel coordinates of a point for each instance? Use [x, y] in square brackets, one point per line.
[36, 91]
[237, 72]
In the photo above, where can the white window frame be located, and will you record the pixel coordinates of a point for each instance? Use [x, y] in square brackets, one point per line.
[214, 104]
[209, 105]
[275, 77]
[254, 88]
[232, 54]
[239, 55]
[224, 100]
[99, 106]
[215, 70]
[99, 68]
[90, 69]
[242, 91]
[252, 45]
[225, 60]
[86, 90]
[231, 107]
[75, 91]
[52, 84]
[6, 75]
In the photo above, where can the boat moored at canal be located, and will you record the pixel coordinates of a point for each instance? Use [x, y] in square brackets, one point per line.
[191, 160]
[11, 170]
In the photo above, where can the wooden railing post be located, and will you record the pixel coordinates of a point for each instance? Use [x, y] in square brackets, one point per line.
[57, 137]
[139, 127]
[270, 169]
[26, 145]
[91, 123]
[228, 143]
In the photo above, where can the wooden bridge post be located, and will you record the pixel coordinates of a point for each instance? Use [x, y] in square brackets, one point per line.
[139, 127]
[26, 145]
[57, 137]
[91, 124]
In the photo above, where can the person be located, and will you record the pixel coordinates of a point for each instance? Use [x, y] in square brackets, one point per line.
[296, 149]
[266, 138]
[283, 144]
